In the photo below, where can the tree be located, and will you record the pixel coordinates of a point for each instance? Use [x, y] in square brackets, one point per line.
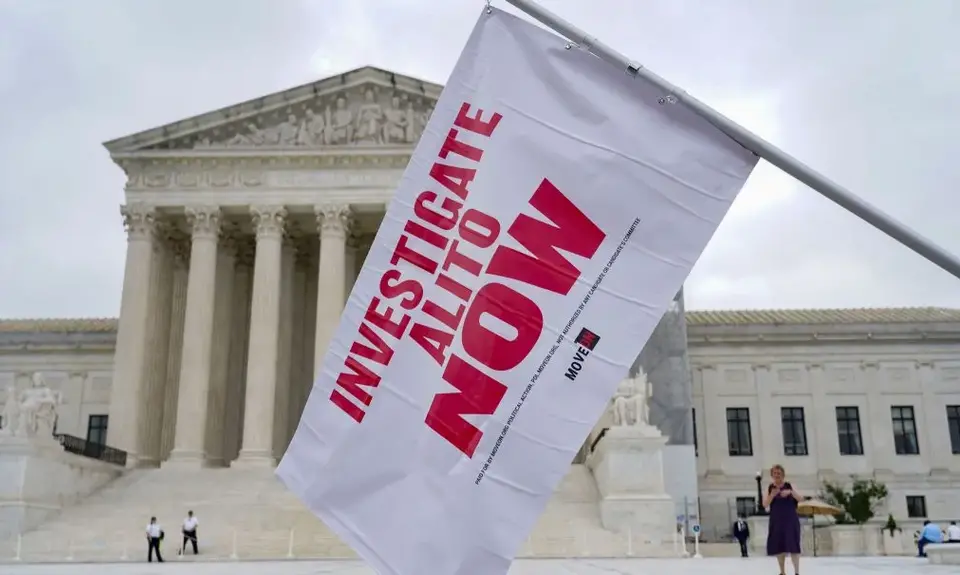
[859, 502]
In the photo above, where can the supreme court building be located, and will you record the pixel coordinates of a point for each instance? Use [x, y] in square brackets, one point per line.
[246, 228]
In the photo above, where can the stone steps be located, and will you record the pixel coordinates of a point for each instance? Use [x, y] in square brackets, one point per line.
[248, 514]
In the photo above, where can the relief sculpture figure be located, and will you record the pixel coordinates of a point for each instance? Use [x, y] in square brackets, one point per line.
[287, 131]
[369, 116]
[312, 130]
[339, 124]
[398, 123]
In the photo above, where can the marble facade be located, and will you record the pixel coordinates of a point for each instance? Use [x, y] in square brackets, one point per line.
[246, 228]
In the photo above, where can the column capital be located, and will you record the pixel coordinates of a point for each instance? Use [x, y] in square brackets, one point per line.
[351, 243]
[292, 235]
[229, 239]
[246, 248]
[269, 221]
[139, 221]
[334, 219]
[204, 221]
[180, 248]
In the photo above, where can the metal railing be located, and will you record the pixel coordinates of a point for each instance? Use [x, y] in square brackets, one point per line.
[98, 451]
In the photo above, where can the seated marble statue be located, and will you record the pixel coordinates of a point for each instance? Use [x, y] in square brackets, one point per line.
[631, 402]
[38, 409]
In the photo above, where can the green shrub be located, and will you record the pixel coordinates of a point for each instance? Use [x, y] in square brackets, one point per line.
[859, 502]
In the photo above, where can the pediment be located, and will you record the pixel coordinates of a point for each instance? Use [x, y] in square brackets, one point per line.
[364, 108]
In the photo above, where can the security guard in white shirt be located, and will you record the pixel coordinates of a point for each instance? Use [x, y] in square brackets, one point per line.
[189, 533]
[154, 536]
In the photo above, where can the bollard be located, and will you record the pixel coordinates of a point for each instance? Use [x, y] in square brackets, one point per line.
[629, 541]
[70, 550]
[290, 545]
[123, 556]
[19, 546]
[583, 543]
[683, 541]
[233, 552]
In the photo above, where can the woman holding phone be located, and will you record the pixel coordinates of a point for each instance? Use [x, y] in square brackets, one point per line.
[783, 537]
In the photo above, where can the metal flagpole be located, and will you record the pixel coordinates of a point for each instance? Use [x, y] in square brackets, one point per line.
[826, 187]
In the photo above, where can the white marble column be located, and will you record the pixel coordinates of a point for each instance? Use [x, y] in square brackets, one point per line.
[296, 397]
[151, 422]
[281, 411]
[189, 442]
[351, 264]
[180, 257]
[309, 321]
[334, 222]
[220, 354]
[257, 447]
[240, 337]
[130, 358]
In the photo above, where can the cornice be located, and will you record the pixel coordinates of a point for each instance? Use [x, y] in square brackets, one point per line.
[139, 164]
[183, 175]
[767, 339]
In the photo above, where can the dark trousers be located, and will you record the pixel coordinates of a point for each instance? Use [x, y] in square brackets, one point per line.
[921, 543]
[189, 537]
[153, 544]
[743, 547]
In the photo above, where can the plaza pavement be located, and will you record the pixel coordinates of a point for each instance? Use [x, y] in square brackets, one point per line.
[714, 566]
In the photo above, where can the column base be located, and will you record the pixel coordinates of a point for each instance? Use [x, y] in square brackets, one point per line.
[181, 459]
[254, 460]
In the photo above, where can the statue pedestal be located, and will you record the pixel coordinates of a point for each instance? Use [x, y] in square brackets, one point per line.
[628, 467]
[37, 478]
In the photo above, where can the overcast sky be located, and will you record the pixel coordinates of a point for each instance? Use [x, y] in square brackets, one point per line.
[866, 91]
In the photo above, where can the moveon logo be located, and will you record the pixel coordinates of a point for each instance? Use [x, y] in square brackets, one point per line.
[587, 341]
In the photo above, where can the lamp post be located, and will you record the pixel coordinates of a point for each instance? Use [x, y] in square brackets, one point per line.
[760, 509]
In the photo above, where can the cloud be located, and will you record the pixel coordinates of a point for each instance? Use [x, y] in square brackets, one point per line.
[864, 90]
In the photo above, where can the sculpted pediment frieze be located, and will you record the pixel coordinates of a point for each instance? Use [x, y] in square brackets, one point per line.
[367, 115]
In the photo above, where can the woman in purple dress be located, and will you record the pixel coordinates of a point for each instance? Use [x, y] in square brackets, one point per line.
[783, 536]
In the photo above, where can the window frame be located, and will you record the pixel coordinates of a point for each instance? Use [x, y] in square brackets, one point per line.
[794, 419]
[100, 429]
[907, 440]
[849, 430]
[953, 427]
[743, 428]
[921, 502]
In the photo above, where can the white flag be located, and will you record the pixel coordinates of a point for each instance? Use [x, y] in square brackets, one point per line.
[550, 212]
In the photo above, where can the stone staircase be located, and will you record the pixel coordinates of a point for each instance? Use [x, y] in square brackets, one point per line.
[248, 514]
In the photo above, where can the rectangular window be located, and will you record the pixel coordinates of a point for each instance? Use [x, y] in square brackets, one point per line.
[953, 422]
[794, 431]
[904, 430]
[746, 506]
[916, 506]
[738, 431]
[848, 430]
[97, 429]
[696, 447]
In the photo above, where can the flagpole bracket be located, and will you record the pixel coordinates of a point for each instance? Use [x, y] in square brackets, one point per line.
[489, 8]
[633, 68]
